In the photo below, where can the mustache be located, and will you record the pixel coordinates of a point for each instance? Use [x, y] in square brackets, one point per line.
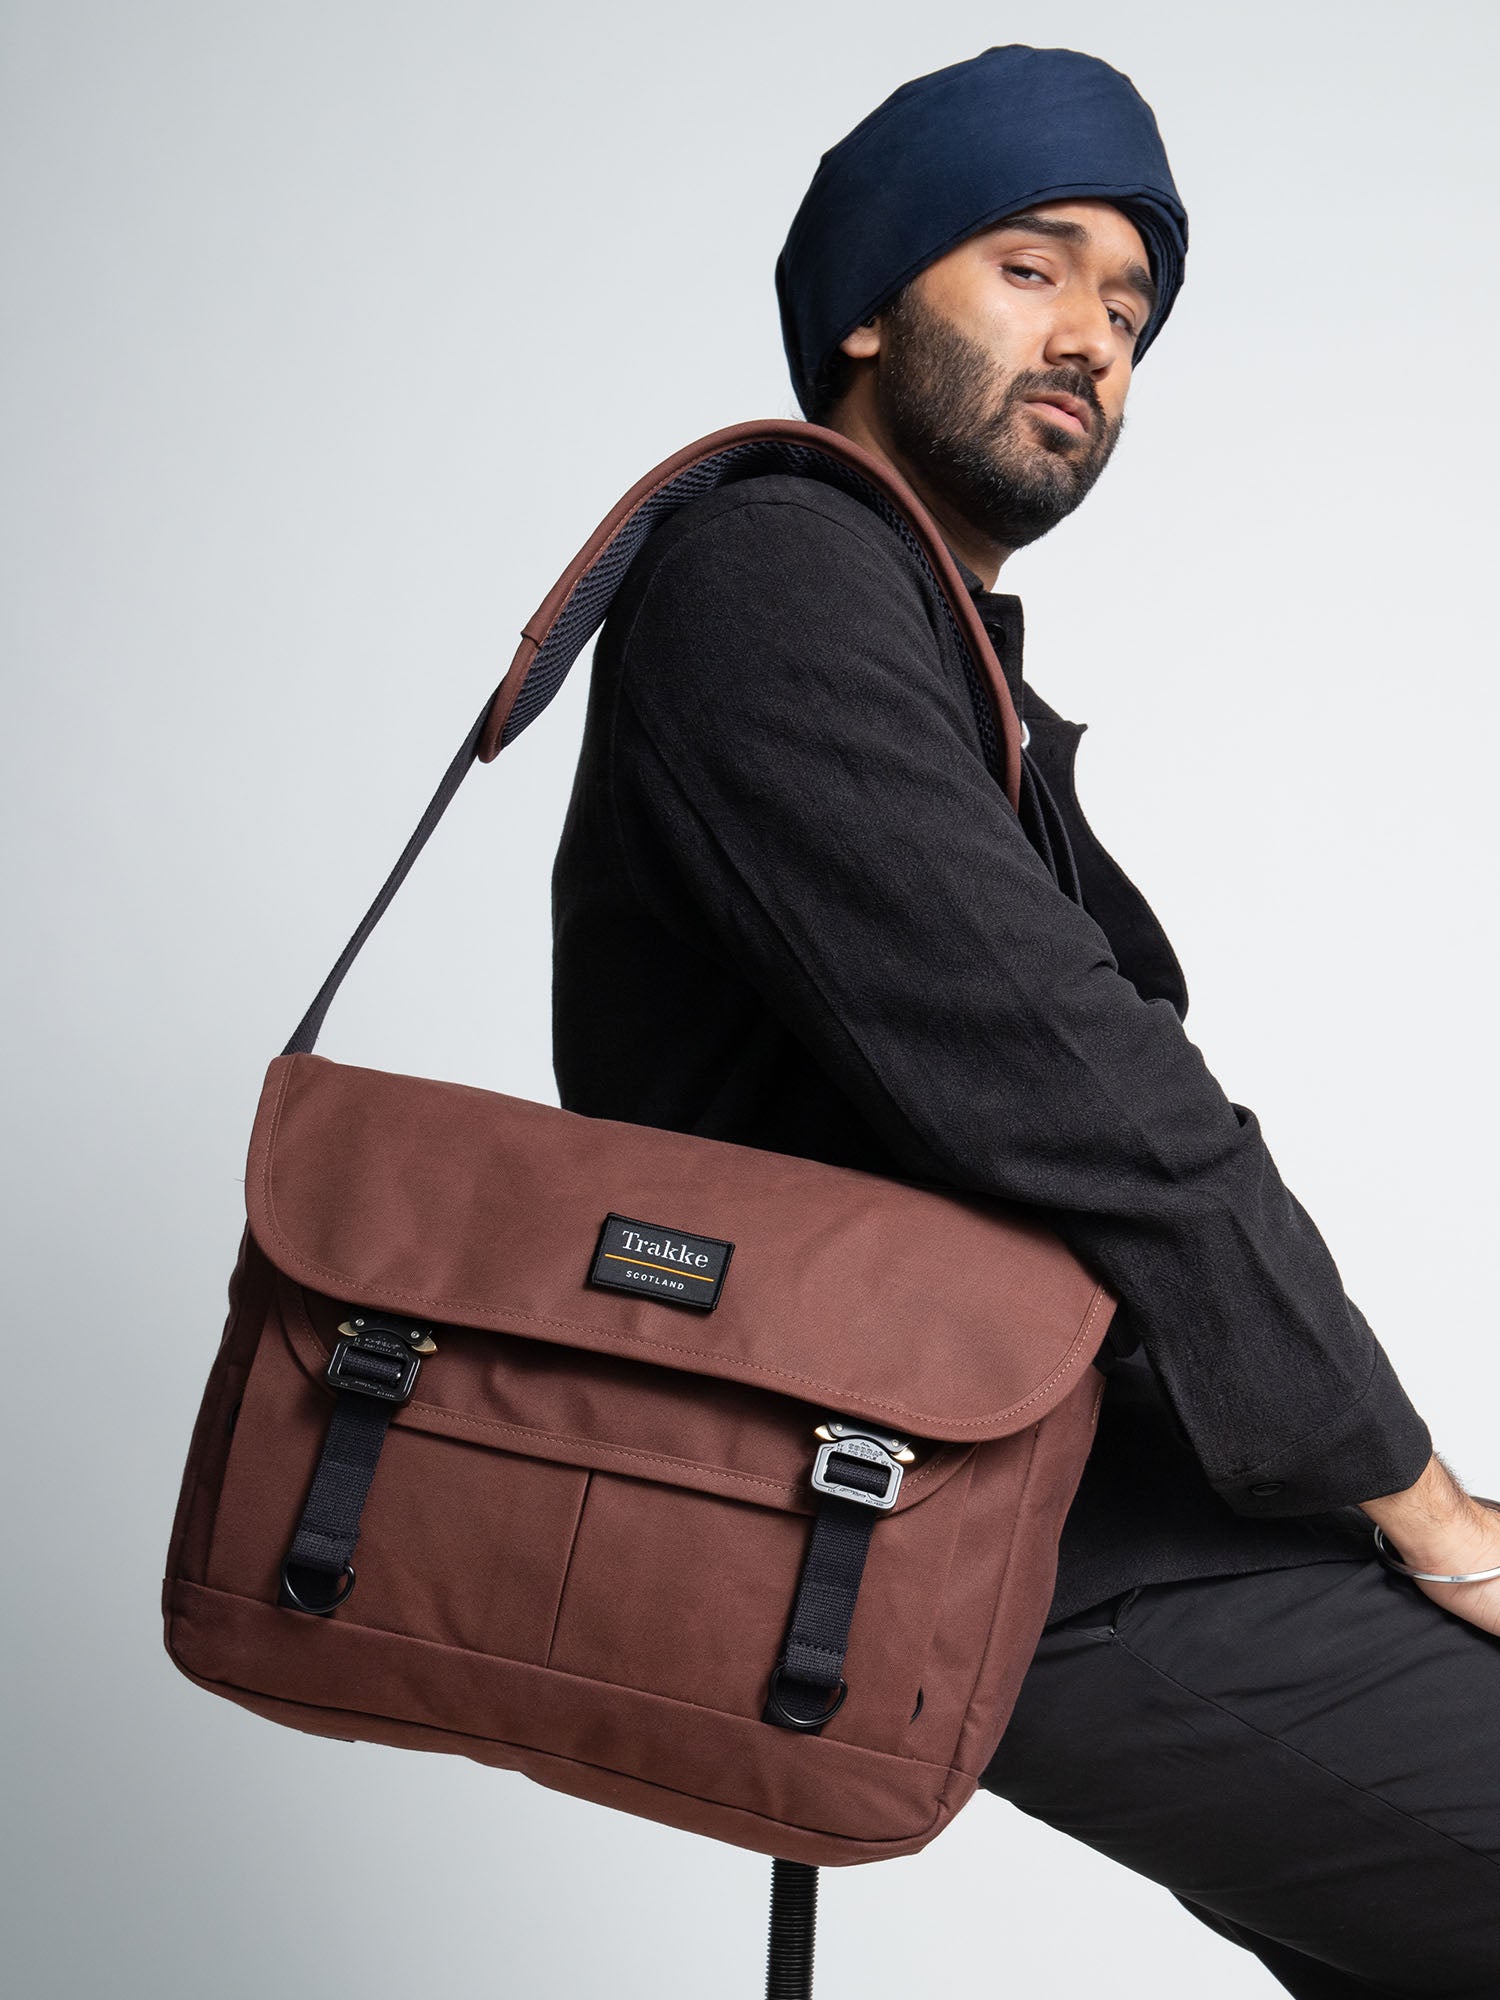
[1061, 382]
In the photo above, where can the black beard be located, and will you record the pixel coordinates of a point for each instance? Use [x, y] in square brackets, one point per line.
[970, 438]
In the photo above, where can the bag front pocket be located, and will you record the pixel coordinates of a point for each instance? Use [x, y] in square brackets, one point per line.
[689, 1595]
[460, 1544]
[618, 1522]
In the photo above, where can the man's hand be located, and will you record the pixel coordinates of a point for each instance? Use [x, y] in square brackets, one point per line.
[1435, 1524]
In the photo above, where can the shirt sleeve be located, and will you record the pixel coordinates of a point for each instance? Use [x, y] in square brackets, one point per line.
[788, 734]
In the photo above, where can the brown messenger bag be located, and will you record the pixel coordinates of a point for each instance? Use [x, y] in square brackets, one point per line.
[717, 1485]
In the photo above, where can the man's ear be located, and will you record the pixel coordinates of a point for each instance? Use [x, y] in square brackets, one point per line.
[863, 342]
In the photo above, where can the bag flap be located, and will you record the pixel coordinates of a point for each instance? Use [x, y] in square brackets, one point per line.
[533, 1399]
[945, 1314]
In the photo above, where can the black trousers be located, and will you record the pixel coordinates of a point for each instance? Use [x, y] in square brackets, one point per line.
[1308, 1758]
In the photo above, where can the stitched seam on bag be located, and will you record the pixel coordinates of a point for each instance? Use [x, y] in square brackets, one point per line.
[562, 1588]
[614, 1771]
[788, 1489]
[1327, 1771]
[917, 1418]
[562, 1673]
[1007, 1573]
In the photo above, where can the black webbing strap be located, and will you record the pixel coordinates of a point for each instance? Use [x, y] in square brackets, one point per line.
[811, 1667]
[305, 1036]
[373, 1369]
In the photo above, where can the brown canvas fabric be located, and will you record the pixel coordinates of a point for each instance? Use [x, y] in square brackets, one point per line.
[585, 1530]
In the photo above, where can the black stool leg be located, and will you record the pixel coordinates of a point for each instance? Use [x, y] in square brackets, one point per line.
[794, 1917]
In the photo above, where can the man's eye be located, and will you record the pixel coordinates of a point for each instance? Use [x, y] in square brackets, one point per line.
[1030, 271]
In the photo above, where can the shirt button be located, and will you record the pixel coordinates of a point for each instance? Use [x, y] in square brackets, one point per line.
[1266, 1488]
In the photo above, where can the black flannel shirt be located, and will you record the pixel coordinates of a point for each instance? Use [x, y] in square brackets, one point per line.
[792, 908]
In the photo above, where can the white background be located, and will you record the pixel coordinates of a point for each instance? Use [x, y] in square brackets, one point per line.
[329, 332]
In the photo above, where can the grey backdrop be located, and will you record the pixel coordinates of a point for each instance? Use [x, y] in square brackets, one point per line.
[330, 330]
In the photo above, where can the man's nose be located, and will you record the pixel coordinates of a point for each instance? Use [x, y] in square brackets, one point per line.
[1082, 335]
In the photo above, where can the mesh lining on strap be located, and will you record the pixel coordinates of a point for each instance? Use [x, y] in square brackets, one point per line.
[588, 605]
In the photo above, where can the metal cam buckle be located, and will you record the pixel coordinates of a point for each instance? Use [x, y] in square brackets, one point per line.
[835, 1427]
[385, 1343]
[855, 1444]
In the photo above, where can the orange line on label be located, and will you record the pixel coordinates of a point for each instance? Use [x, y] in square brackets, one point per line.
[676, 1273]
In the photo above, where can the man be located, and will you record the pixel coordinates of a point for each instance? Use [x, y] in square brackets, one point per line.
[793, 909]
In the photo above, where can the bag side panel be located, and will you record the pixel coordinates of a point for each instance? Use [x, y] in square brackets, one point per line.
[1034, 1523]
[974, 1605]
[250, 1285]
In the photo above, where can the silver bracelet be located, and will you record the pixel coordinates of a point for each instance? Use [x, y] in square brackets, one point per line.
[1382, 1547]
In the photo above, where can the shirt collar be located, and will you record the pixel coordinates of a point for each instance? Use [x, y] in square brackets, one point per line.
[1000, 614]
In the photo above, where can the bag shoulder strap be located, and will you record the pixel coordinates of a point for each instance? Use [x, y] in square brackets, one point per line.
[576, 606]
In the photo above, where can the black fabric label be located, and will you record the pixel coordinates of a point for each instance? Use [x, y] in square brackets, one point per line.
[662, 1263]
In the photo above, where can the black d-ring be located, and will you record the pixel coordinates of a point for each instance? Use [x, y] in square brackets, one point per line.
[293, 1600]
[782, 1714]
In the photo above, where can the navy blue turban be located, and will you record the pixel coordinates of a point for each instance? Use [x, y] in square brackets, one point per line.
[954, 152]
